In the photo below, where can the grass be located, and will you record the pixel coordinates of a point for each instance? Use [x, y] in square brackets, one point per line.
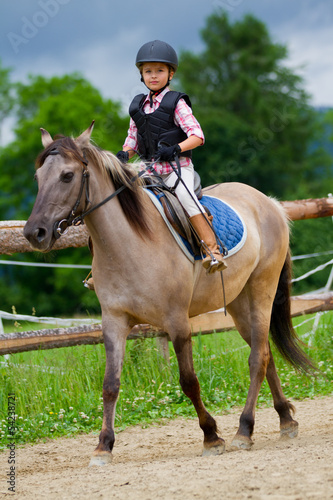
[58, 392]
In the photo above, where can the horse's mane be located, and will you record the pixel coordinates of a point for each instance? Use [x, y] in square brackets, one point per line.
[131, 199]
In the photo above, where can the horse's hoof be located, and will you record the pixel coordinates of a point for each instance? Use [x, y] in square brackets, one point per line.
[101, 459]
[289, 432]
[241, 443]
[217, 449]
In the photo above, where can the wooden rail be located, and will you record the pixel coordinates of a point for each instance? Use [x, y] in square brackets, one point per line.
[308, 209]
[12, 239]
[203, 324]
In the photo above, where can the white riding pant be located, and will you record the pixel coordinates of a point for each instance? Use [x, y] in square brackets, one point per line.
[188, 199]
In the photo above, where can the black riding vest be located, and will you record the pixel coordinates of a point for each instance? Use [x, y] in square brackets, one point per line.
[159, 126]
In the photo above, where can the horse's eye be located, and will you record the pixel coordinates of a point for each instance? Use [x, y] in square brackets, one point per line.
[66, 176]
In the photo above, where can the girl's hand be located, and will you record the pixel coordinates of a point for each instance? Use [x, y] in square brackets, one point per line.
[167, 153]
[123, 156]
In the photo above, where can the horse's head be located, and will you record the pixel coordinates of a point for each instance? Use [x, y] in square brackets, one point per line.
[61, 175]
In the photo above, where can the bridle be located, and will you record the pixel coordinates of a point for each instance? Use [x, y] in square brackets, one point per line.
[61, 227]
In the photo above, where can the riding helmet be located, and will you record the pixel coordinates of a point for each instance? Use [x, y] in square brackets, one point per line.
[157, 51]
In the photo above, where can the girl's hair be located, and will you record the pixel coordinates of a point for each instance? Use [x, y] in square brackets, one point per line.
[140, 66]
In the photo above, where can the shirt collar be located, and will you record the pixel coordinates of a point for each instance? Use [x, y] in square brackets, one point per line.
[159, 97]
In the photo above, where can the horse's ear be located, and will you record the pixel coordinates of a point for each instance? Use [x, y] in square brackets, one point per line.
[46, 138]
[84, 138]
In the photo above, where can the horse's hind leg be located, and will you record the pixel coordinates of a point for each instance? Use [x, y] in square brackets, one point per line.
[213, 444]
[244, 324]
[253, 324]
[288, 426]
[285, 410]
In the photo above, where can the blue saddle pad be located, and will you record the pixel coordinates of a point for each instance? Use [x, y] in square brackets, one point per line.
[227, 223]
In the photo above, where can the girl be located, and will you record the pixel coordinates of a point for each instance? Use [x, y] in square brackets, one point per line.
[162, 126]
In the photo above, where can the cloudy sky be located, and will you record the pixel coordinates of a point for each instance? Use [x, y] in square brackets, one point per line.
[100, 38]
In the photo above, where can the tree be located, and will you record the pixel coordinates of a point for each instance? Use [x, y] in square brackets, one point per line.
[254, 111]
[327, 118]
[65, 105]
[6, 93]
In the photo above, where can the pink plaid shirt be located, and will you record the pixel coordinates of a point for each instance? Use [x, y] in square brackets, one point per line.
[183, 117]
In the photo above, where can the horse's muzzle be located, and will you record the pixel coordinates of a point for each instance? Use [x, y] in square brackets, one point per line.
[38, 236]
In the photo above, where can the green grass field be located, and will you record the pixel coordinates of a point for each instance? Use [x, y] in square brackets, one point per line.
[59, 392]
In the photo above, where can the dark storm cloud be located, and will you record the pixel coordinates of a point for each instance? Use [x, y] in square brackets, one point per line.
[100, 38]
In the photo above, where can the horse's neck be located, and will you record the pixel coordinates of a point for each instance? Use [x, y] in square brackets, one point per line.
[106, 220]
[111, 232]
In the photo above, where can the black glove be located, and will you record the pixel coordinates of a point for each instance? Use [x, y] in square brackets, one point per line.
[123, 156]
[167, 153]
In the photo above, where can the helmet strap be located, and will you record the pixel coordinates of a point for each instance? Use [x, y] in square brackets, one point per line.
[154, 93]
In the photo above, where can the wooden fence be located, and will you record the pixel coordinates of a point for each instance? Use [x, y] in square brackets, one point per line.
[92, 334]
[12, 241]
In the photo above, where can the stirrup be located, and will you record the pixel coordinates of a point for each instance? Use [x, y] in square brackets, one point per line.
[88, 282]
[214, 265]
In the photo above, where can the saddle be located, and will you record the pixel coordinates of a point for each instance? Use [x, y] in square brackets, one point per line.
[174, 211]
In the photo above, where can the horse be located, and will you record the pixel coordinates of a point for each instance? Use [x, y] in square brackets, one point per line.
[141, 276]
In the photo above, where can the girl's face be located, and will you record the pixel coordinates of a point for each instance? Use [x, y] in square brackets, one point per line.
[156, 75]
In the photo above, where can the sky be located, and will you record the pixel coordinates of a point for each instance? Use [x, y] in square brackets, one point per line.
[100, 38]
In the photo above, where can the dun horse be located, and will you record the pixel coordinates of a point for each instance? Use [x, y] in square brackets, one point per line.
[142, 276]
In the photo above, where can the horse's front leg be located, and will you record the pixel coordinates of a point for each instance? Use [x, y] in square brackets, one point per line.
[115, 343]
[213, 444]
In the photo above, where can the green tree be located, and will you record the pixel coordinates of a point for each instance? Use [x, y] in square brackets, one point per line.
[327, 119]
[64, 105]
[6, 93]
[258, 125]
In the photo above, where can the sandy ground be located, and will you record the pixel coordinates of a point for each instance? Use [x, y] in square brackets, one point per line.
[164, 462]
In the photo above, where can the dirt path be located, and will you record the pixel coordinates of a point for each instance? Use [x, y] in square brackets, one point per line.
[163, 462]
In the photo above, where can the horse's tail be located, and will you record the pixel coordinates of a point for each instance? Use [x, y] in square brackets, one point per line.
[282, 330]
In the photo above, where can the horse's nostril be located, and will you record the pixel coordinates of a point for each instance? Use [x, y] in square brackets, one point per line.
[40, 234]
